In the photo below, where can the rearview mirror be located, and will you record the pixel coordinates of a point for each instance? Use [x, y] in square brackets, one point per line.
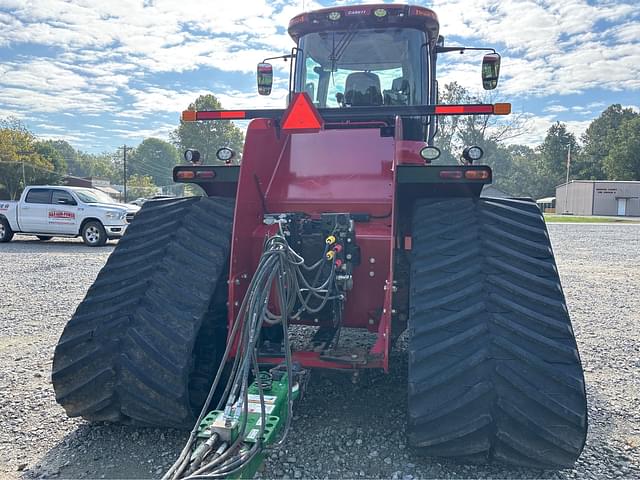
[265, 78]
[490, 71]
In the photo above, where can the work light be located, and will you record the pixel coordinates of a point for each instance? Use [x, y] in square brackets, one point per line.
[225, 154]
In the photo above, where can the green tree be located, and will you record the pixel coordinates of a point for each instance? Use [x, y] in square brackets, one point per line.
[64, 149]
[52, 155]
[552, 160]
[82, 164]
[623, 159]
[20, 163]
[104, 165]
[208, 137]
[515, 171]
[156, 158]
[141, 186]
[448, 127]
[598, 140]
[486, 131]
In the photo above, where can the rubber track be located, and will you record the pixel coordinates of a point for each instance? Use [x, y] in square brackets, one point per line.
[135, 345]
[494, 370]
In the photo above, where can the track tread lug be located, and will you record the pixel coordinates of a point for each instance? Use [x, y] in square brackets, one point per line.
[126, 355]
[494, 370]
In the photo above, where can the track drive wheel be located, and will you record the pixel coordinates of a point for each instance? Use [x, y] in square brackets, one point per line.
[494, 370]
[144, 344]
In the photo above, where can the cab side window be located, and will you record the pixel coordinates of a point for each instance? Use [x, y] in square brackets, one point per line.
[62, 197]
[38, 195]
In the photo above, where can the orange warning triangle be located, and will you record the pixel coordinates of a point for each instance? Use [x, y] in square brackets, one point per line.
[301, 116]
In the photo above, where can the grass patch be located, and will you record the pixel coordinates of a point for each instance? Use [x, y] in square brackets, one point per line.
[551, 218]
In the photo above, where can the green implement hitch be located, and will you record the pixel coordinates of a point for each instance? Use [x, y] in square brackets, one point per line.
[220, 429]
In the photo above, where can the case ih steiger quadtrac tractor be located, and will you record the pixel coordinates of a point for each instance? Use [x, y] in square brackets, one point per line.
[335, 222]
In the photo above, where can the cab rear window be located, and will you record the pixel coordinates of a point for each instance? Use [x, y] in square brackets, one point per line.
[38, 195]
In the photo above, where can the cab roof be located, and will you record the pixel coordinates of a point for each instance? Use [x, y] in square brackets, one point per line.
[382, 15]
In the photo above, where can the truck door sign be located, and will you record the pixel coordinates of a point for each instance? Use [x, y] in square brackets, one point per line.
[59, 216]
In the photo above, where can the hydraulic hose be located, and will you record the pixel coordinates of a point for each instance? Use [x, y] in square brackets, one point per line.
[279, 270]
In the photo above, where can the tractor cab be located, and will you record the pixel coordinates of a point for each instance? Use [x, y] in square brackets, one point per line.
[362, 68]
[376, 56]
[367, 56]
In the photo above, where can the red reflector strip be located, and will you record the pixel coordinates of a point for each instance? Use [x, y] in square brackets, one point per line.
[451, 174]
[476, 174]
[222, 115]
[205, 174]
[185, 174]
[462, 109]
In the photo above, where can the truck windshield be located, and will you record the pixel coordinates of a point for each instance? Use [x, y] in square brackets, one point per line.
[89, 195]
[369, 67]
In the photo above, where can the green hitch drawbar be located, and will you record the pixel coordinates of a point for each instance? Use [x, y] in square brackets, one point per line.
[215, 426]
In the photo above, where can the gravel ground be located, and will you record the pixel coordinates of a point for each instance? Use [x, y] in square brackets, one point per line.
[341, 430]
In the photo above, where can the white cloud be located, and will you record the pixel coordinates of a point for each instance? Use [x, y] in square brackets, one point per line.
[555, 109]
[552, 47]
[577, 127]
[538, 125]
[98, 55]
[160, 131]
[155, 99]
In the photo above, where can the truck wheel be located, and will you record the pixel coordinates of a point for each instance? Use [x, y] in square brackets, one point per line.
[44, 238]
[6, 234]
[93, 234]
[143, 346]
[494, 370]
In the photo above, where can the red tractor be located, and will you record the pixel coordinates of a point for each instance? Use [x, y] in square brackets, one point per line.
[336, 224]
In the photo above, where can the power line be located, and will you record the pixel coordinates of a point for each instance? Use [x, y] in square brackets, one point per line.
[35, 167]
[153, 170]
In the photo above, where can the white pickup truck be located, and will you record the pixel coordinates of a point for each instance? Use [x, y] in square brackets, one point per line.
[55, 211]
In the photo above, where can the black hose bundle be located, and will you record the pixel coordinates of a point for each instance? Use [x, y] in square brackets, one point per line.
[281, 271]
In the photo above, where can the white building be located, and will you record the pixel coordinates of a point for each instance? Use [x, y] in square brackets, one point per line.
[599, 197]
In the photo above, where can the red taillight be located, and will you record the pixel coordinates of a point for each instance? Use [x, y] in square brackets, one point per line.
[222, 115]
[193, 116]
[451, 174]
[301, 116]
[205, 174]
[477, 174]
[185, 174]
[462, 109]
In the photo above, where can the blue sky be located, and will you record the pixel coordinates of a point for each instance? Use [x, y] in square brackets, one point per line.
[101, 74]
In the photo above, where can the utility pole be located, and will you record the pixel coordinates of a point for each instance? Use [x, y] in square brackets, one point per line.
[566, 185]
[24, 177]
[124, 165]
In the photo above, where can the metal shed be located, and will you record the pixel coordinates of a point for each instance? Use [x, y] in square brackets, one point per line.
[599, 197]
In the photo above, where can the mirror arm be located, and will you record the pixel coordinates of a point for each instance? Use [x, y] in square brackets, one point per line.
[284, 57]
[462, 49]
